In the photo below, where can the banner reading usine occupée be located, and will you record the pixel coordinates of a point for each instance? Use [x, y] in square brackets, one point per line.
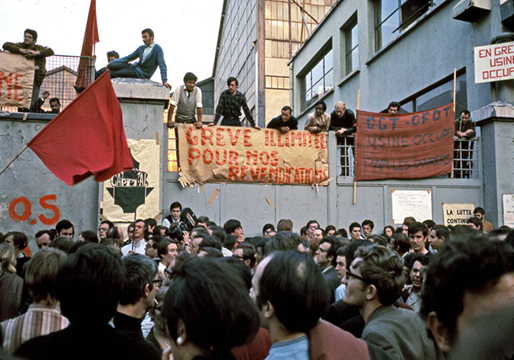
[404, 146]
[16, 79]
[237, 154]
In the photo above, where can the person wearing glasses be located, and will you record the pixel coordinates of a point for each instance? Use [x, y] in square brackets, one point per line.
[374, 282]
[105, 226]
[291, 296]
[138, 295]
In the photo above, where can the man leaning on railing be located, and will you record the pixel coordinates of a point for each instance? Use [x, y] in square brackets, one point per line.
[464, 129]
[343, 122]
[31, 50]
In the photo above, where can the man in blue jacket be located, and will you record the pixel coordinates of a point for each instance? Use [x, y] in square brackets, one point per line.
[150, 56]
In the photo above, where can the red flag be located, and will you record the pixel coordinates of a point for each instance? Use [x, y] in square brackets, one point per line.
[90, 39]
[86, 138]
[404, 146]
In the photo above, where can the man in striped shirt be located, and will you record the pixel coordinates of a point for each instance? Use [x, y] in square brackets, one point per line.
[44, 315]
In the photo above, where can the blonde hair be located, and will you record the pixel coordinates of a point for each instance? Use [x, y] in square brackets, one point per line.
[7, 258]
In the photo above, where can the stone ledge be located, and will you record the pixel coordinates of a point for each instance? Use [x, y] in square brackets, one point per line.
[128, 88]
[498, 110]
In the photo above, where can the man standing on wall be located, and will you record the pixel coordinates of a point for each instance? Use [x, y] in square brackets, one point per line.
[187, 99]
[230, 104]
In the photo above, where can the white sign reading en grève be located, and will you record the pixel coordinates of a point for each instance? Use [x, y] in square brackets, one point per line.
[494, 62]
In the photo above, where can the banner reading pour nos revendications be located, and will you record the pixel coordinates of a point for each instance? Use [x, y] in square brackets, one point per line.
[238, 154]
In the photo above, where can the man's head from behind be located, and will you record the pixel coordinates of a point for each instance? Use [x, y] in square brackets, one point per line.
[89, 285]
[475, 223]
[41, 275]
[469, 277]
[290, 289]
[141, 271]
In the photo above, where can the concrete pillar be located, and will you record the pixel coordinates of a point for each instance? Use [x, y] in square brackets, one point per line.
[497, 128]
[142, 103]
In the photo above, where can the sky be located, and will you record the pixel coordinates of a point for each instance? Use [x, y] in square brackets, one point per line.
[187, 30]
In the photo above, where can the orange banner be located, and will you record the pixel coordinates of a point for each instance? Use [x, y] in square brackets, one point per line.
[404, 146]
[237, 154]
[16, 80]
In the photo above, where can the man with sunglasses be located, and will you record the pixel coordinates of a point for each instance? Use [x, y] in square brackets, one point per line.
[373, 282]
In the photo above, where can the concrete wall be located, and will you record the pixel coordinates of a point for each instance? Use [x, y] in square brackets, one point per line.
[331, 204]
[31, 197]
[497, 124]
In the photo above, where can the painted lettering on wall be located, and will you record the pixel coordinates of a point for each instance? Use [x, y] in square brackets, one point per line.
[21, 210]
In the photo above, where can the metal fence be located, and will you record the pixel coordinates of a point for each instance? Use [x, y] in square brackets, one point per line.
[62, 72]
[465, 158]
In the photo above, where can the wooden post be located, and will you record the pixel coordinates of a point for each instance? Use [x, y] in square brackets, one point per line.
[354, 169]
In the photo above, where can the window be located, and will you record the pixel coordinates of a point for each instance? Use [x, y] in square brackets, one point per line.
[393, 16]
[351, 34]
[319, 80]
[440, 94]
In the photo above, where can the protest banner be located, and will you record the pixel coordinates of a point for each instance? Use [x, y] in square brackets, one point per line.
[457, 214]
[237, 154]
[136, 191]
[404, 146]
[16, 80]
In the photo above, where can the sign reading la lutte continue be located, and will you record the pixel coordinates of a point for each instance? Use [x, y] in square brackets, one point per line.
[16, 79]
[237, 154]
[494, 62]
[404, 146]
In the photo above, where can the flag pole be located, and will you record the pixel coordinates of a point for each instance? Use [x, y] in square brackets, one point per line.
[10, 162]
[355, 182]
[454, 104]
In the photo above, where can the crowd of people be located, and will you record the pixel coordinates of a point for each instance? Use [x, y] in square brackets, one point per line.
[186, 287]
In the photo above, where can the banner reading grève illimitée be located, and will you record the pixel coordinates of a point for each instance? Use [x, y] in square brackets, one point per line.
[238, 154]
